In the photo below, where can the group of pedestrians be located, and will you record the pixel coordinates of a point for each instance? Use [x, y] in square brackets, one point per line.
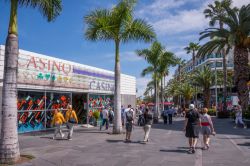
[129, 121]
[107, 116]
[195, 123]
[168, 114]
[58, 120]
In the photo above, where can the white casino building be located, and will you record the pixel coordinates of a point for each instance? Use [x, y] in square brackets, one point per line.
[46, 83]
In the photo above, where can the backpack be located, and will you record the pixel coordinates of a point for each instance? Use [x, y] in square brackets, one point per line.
[129, 116]
[193, 117]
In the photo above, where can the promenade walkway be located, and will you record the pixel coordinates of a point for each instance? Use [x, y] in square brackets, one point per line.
[167, 147]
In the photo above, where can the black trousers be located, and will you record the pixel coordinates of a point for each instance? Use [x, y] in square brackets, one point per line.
[170, 118]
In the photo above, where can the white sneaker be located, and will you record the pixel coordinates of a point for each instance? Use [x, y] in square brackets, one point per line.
[63, 135]
[54, 138]
[70, 139]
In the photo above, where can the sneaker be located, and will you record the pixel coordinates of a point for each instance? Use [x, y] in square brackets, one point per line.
[63, 135]
[245, 127]
[54, 138]
[70, 139]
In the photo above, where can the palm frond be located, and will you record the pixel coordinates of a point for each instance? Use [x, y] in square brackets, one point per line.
[50, 9]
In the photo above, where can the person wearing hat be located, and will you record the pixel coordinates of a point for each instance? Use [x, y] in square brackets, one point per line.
[191, 127]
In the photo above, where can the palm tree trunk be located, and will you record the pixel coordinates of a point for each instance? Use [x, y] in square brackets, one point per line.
[241, 75]
[162, 97]
[9, 146]
[156, 97]
[224, 80]
[206, 97]
[193, 57]
[117, 129]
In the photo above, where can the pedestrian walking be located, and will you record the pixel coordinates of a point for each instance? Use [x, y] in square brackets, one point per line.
[207, 128]
[71, 120]
[57, 121]
[105, 118]
[129, 120]
[165, 116]
[238, 116]
[148, 116]
[192, 127]
[170, 113]
[111, 115]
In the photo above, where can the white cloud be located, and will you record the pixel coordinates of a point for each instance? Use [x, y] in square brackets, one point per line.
[184, 21]
[239, 3]
[141, 84]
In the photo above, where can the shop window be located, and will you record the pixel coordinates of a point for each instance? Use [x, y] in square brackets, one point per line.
[31, 121]
[57, 100]
[98, 102]
[29, 100]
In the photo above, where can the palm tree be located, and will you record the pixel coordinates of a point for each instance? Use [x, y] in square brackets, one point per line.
[166, 60]
[9, 147]
[215, 13]
[187, 91]
[152, 56]
[118, 25]
[192, 48]
[180, 63]
[149, 88]
[236, 36]
[204, 78]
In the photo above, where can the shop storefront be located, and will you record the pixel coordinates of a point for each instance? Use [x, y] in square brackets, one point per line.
[46, 83]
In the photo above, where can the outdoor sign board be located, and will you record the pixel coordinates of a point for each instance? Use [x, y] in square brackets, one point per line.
[36, 70]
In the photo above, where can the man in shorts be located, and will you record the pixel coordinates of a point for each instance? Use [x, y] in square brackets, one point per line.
[191, 127]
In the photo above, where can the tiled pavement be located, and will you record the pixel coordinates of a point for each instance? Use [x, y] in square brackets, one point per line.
[167, 147]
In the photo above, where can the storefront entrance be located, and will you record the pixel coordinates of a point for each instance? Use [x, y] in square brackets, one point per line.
[79, 104]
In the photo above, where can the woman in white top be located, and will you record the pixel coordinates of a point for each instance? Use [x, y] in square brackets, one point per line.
[238, 116]
[207, 128]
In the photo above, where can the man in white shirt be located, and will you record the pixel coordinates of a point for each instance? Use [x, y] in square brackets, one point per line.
[128, 121]
[105, 116]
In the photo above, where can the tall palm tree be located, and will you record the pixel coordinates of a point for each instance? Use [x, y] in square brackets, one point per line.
[192, 48]
[180, 63]
[236, 36]
[149, 88]
[204, 78]
[9, 147]
[215, 12]
[117, 25]
[152, 56]
[166, 60]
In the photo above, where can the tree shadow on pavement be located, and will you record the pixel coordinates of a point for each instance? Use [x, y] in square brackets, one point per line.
[123, 141]
[244, 144]
[174, 150]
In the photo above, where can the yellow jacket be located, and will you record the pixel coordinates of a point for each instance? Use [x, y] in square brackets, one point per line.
[73, 115]
[58, 119]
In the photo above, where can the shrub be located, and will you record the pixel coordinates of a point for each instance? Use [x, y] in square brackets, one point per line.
[246, 115]
[96, 115]
[223, 114]
[211, 112]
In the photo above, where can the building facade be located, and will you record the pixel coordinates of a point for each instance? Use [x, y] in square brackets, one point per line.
[46, 83]
[215, 63]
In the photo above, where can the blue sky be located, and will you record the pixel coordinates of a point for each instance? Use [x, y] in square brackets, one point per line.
[176, 22]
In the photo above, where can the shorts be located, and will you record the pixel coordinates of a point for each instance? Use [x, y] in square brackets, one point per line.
[205, 130]
[192, 131]
[129, 126]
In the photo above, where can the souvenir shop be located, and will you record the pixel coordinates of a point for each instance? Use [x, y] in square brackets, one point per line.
[46, 83]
